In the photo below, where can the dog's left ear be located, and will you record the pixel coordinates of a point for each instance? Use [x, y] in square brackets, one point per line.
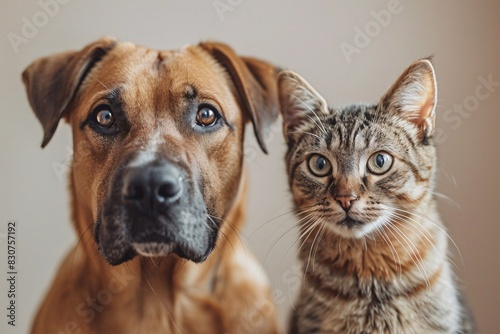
[52, 82]
[256, 83]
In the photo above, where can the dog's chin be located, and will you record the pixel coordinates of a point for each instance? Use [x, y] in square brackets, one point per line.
[117, 248]
[160, 249]
[154, 249]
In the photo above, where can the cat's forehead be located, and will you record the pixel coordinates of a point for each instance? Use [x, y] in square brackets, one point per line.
[354, 113]
[353, 126]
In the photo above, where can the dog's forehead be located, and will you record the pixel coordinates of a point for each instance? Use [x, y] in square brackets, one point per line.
[153, 76]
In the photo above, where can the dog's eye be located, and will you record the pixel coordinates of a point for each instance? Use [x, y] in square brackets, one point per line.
[105, 118]
[206, 116]
[102, 120]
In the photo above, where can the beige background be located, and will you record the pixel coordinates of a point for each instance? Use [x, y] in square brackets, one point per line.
[305, 36]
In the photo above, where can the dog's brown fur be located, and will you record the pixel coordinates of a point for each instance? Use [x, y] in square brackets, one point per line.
[227, 293]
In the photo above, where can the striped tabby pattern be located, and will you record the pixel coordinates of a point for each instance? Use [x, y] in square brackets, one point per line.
[373, 248]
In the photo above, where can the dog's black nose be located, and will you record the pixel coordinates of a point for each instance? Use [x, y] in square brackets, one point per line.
[149, 185]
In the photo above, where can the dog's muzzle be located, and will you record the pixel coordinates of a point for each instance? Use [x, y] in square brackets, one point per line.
[154, 210]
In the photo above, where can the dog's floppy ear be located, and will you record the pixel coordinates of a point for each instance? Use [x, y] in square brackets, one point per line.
[52, 82]
[256, 83]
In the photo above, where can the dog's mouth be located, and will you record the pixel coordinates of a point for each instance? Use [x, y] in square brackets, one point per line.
[153, 248]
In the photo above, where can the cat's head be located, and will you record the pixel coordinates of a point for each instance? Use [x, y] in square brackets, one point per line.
[361, 167]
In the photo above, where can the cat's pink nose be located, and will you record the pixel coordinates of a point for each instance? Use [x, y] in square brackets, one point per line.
[346, 200]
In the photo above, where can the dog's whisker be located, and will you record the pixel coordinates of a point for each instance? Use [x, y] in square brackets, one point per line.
[235, 229]
[222, 232]
[149, 284]
[129, 270]
[178, 268]
[80, 241]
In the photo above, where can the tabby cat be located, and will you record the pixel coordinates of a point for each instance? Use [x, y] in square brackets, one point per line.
[373, 248]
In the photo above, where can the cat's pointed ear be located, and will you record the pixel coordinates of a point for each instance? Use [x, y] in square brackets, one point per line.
[300, 102]
[414, 96]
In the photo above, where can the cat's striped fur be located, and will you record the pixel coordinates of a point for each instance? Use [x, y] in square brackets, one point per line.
[374, 250]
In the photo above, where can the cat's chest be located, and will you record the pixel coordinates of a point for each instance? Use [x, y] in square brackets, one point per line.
[376, 308]
[366, 315]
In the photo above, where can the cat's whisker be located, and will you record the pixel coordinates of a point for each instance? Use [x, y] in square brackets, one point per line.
[394, 252]
[289, 230]
[443, 196]
[418, 260]
[448, 257]
[297, 212]
[313, 244]
[363, 241]
[304, 132]
[421, 230]
[308, 221]
[438, 226]
[323, 228]
[391, 231]
[306, 224]
[305, 235]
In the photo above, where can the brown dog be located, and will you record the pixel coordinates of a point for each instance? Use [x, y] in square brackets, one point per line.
[157, 183]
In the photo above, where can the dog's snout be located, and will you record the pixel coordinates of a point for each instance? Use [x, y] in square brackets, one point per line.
[150, 185]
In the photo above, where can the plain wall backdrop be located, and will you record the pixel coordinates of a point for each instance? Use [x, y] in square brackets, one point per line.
[349, 50]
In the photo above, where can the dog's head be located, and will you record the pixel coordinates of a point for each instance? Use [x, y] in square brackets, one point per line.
[158, 139]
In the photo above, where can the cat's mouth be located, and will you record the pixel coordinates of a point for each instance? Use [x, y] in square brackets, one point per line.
[350, 223]
[350, 227]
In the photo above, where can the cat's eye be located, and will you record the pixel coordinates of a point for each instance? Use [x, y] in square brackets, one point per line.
[319, 165]
[379, 163]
